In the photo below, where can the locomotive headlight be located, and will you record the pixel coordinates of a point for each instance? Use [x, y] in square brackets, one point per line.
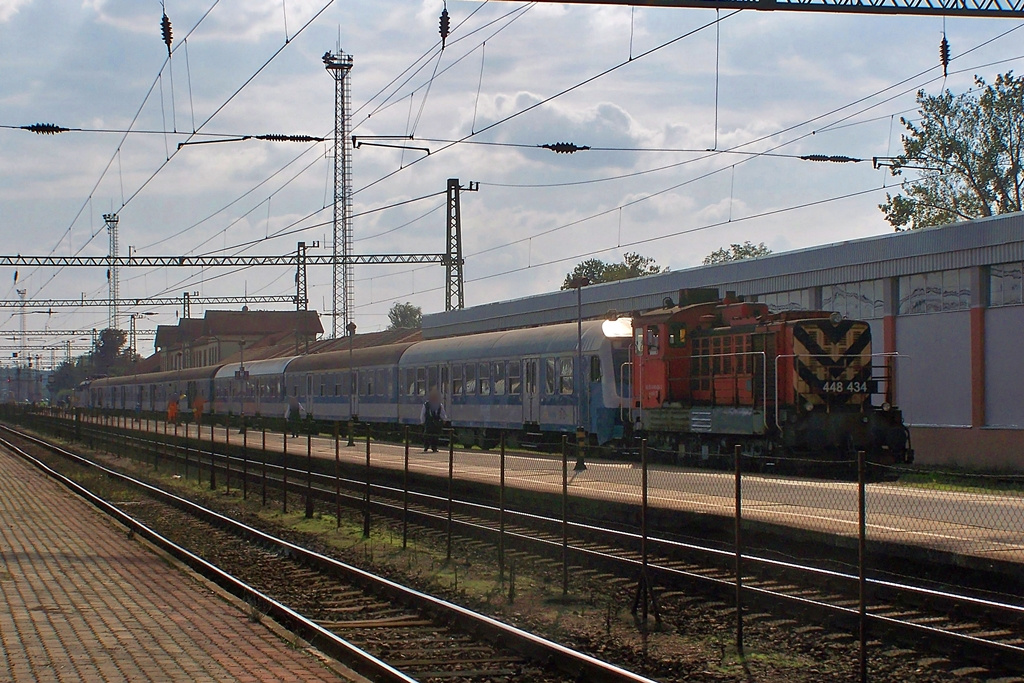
[835, 318]
[809, 407]
[886, 407]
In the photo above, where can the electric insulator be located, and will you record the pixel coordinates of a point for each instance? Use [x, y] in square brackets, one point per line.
[836, 159]
[944, 54]
[45, 128]
[165, 30]
[272, 137]
[445, 26]
[565, 147]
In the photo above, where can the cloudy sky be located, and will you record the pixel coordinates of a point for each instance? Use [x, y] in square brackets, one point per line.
[787, 83]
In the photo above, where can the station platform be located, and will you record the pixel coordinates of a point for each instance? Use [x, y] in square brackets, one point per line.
[80, 601]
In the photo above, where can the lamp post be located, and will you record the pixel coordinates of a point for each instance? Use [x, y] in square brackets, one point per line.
[578, 283]
[352, 384]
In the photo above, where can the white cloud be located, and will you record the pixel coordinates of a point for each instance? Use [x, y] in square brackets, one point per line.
[8, 8]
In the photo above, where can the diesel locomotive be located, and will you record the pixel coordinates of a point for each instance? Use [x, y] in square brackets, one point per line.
[714, 374]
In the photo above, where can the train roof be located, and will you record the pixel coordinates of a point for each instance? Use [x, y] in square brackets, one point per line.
[187, 374]
[364, 357]
[534, 341]
[256, 368]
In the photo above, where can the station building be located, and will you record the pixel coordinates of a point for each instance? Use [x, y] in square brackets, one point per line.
[947, 299]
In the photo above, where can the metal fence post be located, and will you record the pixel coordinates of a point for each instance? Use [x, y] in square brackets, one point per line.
[451, 479]
[366, 497]
[644, 589]
[213, 460]
[284, 471]
[739, 550]
[861, 559]
[245, 463]
[337, 475]
[263, 473]
[309, 474]
[227, 455]
[565, 517]
[186, 452]
[501, 513]
[405, 493]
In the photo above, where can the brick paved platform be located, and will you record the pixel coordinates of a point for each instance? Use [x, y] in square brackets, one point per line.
[79, 601]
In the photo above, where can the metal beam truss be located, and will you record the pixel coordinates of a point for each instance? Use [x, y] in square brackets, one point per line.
[212, 261]
[148, 301]
[965, 8]
[31, 334]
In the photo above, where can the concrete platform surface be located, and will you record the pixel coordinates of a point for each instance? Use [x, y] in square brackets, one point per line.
[79, 601]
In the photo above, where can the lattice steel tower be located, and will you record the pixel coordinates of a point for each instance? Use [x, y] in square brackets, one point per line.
[339, 65]
[112, 279]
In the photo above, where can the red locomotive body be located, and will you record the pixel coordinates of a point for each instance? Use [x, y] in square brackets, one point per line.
[712, 374]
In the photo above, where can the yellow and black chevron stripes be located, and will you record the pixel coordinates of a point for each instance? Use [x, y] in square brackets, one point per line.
[833, 361]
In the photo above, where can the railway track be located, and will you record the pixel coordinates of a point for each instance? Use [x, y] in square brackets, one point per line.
[383, 630]
[964, 629]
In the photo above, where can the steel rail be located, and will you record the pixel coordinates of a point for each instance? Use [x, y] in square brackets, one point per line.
[575, 663]
[339, 648]
[441, 501]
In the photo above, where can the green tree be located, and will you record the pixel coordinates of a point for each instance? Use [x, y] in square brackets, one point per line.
[597, 271]
[737, 252]
[405, 317]
[969, 151]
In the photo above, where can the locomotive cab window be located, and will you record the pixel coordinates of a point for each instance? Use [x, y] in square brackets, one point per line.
[595, 368]
[653, 334]
[676, 335]
[638, 341]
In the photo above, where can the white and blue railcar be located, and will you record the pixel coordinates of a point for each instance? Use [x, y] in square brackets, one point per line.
[257, 388]
[519, 379]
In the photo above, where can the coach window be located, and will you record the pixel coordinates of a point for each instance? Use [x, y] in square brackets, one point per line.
[457, 383]
[382, 382]
[565, 375]
[470, 375]
[367, 378]
[421, 381]
[431, 377]
[409, 381]
[443, 384]
[498, 377]
[484, 379]
[595, 368]
[513, 377]
[549, 376]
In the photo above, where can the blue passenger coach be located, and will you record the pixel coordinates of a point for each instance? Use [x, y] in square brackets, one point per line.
[518, 379]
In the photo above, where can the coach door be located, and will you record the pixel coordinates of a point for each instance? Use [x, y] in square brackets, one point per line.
[531, 390]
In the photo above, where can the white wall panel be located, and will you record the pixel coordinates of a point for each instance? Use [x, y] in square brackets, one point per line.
[934, 385]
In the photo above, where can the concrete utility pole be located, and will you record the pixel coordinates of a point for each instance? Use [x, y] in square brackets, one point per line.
[339, 64]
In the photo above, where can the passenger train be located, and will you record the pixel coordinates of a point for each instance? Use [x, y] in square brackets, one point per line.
[696, 379]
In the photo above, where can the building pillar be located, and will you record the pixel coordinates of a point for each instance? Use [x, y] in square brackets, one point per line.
[979, 303]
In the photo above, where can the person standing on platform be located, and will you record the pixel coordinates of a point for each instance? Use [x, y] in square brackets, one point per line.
[172, 410]
[432, 417]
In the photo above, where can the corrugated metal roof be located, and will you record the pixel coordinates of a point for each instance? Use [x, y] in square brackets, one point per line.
[982, 242]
